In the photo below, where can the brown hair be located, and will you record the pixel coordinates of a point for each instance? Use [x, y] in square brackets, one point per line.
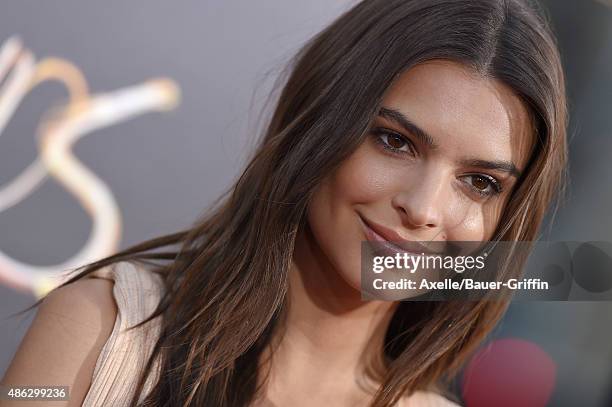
[226, 282]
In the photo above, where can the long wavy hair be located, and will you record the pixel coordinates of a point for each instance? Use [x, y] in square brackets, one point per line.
[226, 277]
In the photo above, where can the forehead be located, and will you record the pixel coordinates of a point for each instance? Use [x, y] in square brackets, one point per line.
[463, 111]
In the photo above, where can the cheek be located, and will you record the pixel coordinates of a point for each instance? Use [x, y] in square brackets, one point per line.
[331, 212]
[332, 215]
[478, 223]
[363, 178]
[471, 228]
[335, 232]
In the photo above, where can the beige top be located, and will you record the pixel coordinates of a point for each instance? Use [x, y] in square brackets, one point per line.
[137, 292]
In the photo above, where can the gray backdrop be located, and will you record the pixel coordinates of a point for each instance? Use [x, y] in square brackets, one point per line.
[165, 168]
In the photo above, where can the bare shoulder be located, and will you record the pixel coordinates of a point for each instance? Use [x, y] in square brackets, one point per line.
[63, 342]
[428, 399]
[91, 293]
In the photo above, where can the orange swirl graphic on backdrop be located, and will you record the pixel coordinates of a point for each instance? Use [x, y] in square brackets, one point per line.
[59, 131]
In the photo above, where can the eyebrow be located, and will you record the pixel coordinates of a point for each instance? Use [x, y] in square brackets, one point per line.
[504, 166]
[399, 118]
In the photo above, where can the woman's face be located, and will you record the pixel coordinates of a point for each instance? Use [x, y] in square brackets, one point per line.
[439, 163]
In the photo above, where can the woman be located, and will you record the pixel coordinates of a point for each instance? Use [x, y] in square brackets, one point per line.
[428, 120]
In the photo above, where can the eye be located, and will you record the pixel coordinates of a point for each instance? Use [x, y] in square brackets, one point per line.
[394, 142]
[484, 185]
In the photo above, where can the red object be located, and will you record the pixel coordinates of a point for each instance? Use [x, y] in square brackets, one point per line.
[509, 372]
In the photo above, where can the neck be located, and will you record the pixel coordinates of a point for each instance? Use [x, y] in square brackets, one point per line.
[330, 335]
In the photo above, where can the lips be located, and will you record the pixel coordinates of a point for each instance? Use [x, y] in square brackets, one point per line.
[390, 241]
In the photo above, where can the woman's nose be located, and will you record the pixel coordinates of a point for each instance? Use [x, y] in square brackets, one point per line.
[421, 204]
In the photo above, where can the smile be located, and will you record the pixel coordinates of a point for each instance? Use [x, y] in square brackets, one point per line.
[389, 241]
